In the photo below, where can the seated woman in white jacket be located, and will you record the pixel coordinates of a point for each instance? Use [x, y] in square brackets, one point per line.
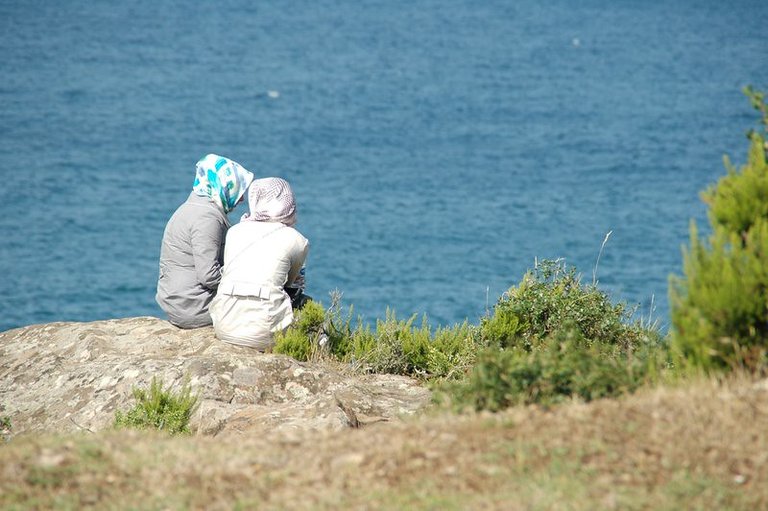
[262, 254]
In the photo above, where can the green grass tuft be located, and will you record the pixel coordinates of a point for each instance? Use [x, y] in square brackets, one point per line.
[161, 409]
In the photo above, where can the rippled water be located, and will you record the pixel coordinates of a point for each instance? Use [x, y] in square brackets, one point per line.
[436, 148]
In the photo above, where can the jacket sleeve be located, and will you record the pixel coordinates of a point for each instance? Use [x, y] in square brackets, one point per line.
[207, 243]
[298, 257]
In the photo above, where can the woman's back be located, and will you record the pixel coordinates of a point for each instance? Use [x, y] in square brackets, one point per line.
[190, 269]
[191, 251]
[262, 252]
[261, 256]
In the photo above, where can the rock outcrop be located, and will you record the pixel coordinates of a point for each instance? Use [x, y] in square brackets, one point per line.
[73, 376]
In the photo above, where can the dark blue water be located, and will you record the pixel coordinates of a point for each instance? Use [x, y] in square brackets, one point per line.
[436, 147]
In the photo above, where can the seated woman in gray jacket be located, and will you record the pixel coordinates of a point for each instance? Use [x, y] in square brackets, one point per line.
[193, 242]
[264, 254]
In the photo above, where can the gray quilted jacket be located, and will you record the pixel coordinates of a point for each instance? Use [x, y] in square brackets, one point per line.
[191, 257]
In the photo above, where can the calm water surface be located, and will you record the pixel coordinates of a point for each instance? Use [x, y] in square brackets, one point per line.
[436, 148]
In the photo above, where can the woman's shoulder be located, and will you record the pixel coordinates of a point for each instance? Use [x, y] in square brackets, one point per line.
[287, 235]
[251, 229]
[197, 207]
[192, 215]
[245, 225]
[297, 235]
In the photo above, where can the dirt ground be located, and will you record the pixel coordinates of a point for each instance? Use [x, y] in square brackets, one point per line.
[700, 445]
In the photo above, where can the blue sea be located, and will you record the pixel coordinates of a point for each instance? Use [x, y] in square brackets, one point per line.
[437, 149]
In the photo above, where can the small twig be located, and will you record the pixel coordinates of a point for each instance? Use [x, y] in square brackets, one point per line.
[594, 272]
[350, 414]
[650, 312]
[81, 427]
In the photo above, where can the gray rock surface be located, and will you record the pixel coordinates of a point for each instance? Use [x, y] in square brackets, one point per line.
[73, 376]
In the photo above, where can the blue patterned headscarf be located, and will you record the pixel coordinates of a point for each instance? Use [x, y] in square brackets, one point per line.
[222, 180]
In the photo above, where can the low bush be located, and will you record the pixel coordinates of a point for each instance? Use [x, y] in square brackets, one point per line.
[159, 408]
[551, 298]
[300, 340]
[398, 347]
[394, 346]
[548, 339]
[565, 367]
[453, 351]
[553, 338]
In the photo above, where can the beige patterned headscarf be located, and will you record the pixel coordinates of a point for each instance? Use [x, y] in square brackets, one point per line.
[270, 199]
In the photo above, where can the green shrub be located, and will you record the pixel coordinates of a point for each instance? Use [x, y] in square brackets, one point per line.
[551, 298]
[394, 346]
[453, 351]
[567, 366]
[398, 347]
[159, 408]
[553, 338]
[719, 308]
[356, 346]
[300, 340]
[548, 339]
[339, 331]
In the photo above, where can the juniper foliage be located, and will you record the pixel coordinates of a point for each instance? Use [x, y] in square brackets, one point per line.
[719, 307]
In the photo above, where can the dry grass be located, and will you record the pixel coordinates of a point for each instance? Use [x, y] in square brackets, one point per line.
[695, 446]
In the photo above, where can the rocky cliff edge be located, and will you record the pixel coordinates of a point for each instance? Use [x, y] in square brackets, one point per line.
[61, 377]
